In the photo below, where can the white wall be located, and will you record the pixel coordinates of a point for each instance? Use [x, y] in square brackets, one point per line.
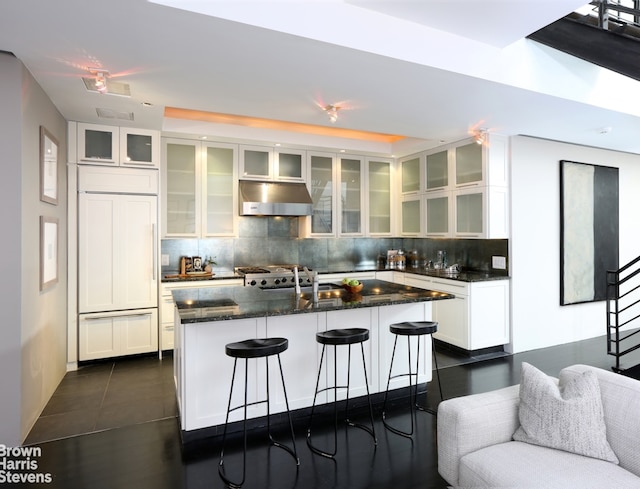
[32, 323]
[538, 320]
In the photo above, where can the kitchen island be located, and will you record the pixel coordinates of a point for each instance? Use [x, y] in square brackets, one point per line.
[207, 319]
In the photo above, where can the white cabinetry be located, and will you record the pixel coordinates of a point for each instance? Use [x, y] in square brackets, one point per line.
[397, 314]
[380, 197]
[167, 304]
[117, 262]
[263, 163]
[199, 355]
[328, 278]
[117, 239]
[351, 195]
[199, 189]
[477, 318]
[116, 146]
[322, 172]
[204, 376]
[464, 192]
[112, 334]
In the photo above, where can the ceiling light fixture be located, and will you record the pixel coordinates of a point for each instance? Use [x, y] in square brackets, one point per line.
[332, 112]
[99, 81]
[480, 136]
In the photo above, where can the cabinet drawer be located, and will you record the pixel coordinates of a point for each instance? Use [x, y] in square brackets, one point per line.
[450, 286]
[117, 180]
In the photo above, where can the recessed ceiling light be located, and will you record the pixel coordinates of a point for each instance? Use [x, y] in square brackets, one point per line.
[147, 104]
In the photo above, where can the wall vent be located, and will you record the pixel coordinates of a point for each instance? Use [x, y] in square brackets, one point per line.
[114, 114]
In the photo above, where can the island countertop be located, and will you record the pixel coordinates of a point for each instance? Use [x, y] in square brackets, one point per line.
[237, 302]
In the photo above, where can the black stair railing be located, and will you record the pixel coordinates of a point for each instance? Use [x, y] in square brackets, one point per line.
[623, 310]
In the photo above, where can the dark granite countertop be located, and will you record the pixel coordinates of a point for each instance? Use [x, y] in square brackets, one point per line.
[237, 302]
[463, 276]
[173, 277]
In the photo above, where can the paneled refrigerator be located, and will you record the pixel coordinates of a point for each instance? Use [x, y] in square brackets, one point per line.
[117, 263]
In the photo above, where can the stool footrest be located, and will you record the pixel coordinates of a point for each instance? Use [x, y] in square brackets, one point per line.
[248, 404]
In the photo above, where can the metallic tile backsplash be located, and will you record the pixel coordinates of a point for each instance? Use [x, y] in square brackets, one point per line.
[268, 241]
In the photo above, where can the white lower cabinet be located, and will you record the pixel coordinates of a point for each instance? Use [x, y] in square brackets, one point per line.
[203, 370]
[167, 305]
[111, 334]
[477, 318]
[207, 371]
[328, 278]
[398, 314]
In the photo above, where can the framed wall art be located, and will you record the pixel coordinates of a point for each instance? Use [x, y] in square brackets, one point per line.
[48, 167]
[48, 252]
[589, 230]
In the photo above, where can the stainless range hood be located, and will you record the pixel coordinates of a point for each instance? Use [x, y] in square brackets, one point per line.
[274, 199]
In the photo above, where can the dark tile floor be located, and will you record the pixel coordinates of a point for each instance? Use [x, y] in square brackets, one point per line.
[151, 455]
[129, 391]
[108, 395]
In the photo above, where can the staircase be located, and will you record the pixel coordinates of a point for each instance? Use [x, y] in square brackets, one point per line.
[608, 36]
[623, 314]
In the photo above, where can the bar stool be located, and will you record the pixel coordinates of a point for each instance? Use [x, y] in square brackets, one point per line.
[335, 338]
[409, 329]
[255, 348]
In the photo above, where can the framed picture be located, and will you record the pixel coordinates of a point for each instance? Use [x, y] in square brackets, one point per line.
[48, 252]
[589, 230]
[48, 167]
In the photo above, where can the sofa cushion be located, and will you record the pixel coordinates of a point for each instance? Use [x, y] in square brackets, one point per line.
[522, 465]
[567, 416]
[621, 405]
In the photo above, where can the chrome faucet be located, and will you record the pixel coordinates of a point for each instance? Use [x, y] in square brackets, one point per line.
[315, 280]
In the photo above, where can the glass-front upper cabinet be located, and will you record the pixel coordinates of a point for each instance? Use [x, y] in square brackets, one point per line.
[180, 189]
[411, 174]
[437, 170]
[117, 146]
[437, 213]
[139, 147]
[98, 144]
[411, 221]
[379, 173]
[351, 194]
[221, 197]
[263, 163]
[468, 164]
[256, 162]
[321, 187]
[470, 212]
[289, 164]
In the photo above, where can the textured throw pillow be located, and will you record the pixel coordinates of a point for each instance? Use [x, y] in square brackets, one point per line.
[568, 417]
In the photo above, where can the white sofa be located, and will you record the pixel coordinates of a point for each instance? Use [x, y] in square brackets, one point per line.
[475, 446]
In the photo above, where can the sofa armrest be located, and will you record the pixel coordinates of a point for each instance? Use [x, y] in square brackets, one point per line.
[469, 423]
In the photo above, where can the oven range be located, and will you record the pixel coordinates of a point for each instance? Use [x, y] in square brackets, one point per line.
[272, 276]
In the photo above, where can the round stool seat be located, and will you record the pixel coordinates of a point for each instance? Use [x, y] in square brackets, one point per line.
[414, 328]
[256, 348]
[345, 336]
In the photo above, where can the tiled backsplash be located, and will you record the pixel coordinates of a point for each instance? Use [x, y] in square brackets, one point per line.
[274, 240]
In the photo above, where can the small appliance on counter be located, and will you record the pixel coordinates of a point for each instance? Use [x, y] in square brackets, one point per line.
[190, 267]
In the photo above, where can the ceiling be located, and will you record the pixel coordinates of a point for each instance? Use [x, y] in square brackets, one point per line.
[429, 71]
